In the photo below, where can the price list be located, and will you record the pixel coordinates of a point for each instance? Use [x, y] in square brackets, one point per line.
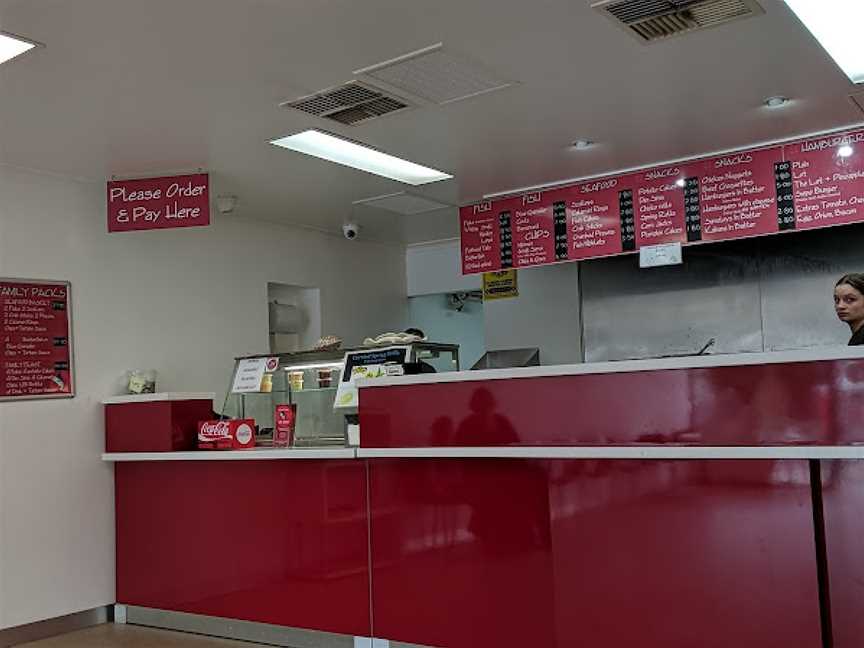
[479, 236]
[804, 184]
[559, 219]
[628, 220]
[692, 215]
[35, 356]
[506, 238]
[828, 180]
[785, 196]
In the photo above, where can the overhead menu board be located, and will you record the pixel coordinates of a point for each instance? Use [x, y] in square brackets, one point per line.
[804, 184]
[35, 340]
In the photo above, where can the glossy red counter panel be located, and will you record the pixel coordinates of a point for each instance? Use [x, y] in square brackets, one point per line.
[843, 501]
[557, 554]
[281, 542]
[801, 403]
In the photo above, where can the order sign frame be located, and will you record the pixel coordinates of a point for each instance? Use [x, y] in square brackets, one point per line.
[36, 340]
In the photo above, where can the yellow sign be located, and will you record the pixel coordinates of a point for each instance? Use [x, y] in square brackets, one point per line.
[500, 285]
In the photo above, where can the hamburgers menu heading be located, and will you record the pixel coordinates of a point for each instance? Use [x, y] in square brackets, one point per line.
[35, 344]
[805, 184]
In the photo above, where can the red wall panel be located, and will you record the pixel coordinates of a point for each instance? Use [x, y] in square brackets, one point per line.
[843, 503]
[281, 542]
[782, 404]
[662, 554]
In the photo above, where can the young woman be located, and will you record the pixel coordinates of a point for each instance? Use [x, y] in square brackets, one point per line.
[849, 305]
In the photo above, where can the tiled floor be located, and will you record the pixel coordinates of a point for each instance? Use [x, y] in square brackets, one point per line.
[128, 636]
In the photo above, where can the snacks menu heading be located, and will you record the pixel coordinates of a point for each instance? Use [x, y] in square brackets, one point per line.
[35, 345]
[801, 185]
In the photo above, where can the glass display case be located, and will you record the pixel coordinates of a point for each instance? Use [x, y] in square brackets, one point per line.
[310, 380]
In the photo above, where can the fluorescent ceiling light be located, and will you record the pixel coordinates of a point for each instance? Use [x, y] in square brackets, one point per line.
[12, 46]
[836, 24]
[335, 149]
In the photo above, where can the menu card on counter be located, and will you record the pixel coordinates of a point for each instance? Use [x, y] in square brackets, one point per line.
[804, 184]
[36, 358]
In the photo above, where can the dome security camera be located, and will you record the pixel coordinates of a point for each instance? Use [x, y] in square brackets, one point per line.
[350, 231]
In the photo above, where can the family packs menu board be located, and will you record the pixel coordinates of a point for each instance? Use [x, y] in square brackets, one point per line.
[806, 184]
[36, 359]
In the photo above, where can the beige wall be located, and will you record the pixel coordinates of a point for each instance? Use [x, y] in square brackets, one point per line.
[184, 302]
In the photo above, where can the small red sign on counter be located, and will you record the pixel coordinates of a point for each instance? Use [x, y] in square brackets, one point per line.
[159, 203]
[36, 359]
[234, 434]
[284, 420]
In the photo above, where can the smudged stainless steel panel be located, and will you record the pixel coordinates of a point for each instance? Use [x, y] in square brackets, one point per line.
[644, 313]
[771, 294]
[798, 276]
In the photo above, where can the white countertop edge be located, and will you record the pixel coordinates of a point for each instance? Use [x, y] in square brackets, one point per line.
[622, 452]
[625, 366]
[234, 455]
[158, 397]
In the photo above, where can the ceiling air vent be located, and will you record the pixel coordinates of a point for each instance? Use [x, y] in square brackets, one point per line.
[654, 20]
[349, 104]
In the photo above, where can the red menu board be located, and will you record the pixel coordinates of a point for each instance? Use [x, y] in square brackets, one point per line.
[159, 203]
[599, 218]
[828, 180]
[533, 231]
[36, 359]
[659, 203]
[804, 184]
[738, 195]
[481, 239]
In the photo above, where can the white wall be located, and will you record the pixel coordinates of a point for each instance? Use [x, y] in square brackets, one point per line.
[431, 314]
[184, 302]
[545, 315]
[434, 268]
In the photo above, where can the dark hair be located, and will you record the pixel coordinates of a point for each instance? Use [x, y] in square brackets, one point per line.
[855, 279]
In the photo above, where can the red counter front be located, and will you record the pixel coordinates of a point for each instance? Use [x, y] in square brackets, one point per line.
[464, 550]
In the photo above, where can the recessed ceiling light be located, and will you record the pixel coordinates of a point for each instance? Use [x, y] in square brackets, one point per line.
[357, 156]
[845, 151]
[776, 102]
[12, 46]
[582, 144]
[836, 24]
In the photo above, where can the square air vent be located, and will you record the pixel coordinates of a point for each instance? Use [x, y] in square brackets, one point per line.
[436, 75]
[403, 203]
[349, 104]
[655, 20]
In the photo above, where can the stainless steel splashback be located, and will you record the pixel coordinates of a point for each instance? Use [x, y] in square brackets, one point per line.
[763, 294]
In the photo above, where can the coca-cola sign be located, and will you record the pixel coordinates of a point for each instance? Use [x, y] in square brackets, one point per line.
[232, 434]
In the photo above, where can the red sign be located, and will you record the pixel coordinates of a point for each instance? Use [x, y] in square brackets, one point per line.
[36, 359]
[828, 180]
[801, 185]
[233, 434]
[284, 420]
[738, 195]
[159, 203]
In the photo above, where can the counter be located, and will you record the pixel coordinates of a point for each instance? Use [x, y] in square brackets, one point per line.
[705, 501]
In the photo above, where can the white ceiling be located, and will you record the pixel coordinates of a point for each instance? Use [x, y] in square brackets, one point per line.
[156, 86]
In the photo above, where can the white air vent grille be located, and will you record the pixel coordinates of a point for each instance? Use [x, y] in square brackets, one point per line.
[655, 20]
[349, 104]
[436, 75]
[403, 203]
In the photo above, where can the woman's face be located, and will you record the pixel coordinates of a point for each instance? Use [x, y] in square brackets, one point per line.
[848, 304]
